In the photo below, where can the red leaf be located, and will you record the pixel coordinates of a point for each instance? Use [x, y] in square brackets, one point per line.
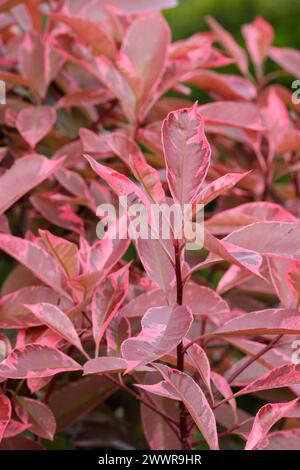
[37, 415]
[5, 414]
[259, 36]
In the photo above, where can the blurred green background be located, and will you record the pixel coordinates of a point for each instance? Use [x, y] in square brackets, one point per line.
[189, 17]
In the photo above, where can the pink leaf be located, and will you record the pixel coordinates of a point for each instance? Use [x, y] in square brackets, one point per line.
[187, 153]
[266, 417]
[106, 301]
[24, 175]
[56, 320]
[186, 389]
[35, 122]
[162, 330]
[229, 44]
[34, 360]
[146, 46]
[65, 252]
[227, 86]
[259, 36]
[37, 415]
[5, 414]
[109, 364]
[199, 359]
[224, 388]
[13, 314]
[282, 440]
[287, 58]
[36, 259]
[219, 186]
[233, 114]
[272, 321]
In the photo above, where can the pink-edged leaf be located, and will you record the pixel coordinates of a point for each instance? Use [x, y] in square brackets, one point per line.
[229, 44]
[34, 360]
[35, 122]
[281, 440]
[37, 415]
[269, 321]
[162, 330]
[93, 33]
[106, 301]
[186, 389]
[259, 36]
[36, 259]
[83, 98]
[233, 253]
[138, 306]
[59, 210]
[289, 141]
[285, 277]
[266, 417]
[24, 175]
[13, 314]
[158, 433]
[5, 414]
[157, 257]
[231, 219]
[269, 238]
[14, 428]
[199, 359]
[233, 114]
[65, 252]
[109, 364]
[109, 75]
[219, 186]
[227, 86]
[146, 47]
[281, 376]
[276, 119]
[287, 58]
[56, 320]
[224, 388]
[187, 153]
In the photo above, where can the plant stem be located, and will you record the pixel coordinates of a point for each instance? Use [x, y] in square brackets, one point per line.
[183, 428]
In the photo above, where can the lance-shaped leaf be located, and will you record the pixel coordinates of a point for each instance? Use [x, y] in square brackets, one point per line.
[145, 51]
[37, 415]
[13, 314]
[14, 428]
[259, 36]
[287, 58]
[285, 276]
[36, 259]
[162, 330]
[109, 364]
[269, 321]
[106, 301]
[266, 417]
[65, 252]
[35, 360]
[282, 440]
[281, 376]
[35, 122]
[157, 258]
[229, 44]
[200, 361]
[5, 414]
[24, 175]
[219, 186]
[224, 388]
[58, 321]
[233, 114]
[227, 86]
[92, 32]
[189, 392]
[187, 153]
